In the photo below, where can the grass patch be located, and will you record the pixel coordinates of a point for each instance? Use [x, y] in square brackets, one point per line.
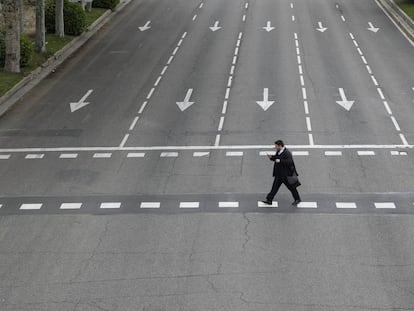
[407, 6]
[54, 44]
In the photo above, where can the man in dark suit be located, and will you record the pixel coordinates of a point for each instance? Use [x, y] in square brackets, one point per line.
[284, 166]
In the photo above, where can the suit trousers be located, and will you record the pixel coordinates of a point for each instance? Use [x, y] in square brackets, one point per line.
[277, 182]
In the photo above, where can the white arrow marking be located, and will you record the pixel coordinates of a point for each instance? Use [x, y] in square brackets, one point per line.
[80, 104]
[344, 102]
[145, 27]
[186, 103]
[372, 28]
[268, 26]
[265, 104]
[321, 28]
[215, 27]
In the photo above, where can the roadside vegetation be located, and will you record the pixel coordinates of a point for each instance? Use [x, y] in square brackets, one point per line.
[407, 6]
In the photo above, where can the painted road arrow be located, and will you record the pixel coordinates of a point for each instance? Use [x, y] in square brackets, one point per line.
[372, 28]
[145, 27]
[268, 26]
[344, 102]
[321, 28]
[80, 104]
[265, 104]
[215, 27]
[186, 103]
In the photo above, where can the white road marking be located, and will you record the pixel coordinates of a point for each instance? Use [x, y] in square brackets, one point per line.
[360, 52]
[304, 93]
[170, 59]
[306, 106]
[397, 127]
[374, 80]
[297, 51]
[150, 93]
[398, 153]
[189, 204]
[31, 206]
[355, 43]
[384, 205]
[261, 204]
[229, 81]
[369, 69]
[246, 5]
[300, 153]
[224, 110]
[293, 18]
[184, 35]
[150, 205]
[234, 153]
[201, 5]
[227, 93]
[244, 17]
[266, 153]
[81, 103]
[307, 205]
[300, 69]
[200, 154]
[296, 35]
[34, 156]
[228, 204]
[234, 60]
[366, 152]
[299, 60]
[404, 140]
[136, 155]
[68, 156]
[169, 154]
[194, 17]
[124, 140]
[343, 18]
[142, 107]
[240, 35]
[164, 70]
[308, 124]
[215, 27]
[236, 51]
[133, 123]
[232, 69]
[217, 141]
[372, 28]
[70, 205]
[311, 142]
[102, 155]
[110, 205]
[5, 156]
[145, 27]
[387, 107]
[268, 26]
[158, 81]
[265, 103]
[364, 60]
[302, 81]
[220, 127]
[380, 93]
[291, 5]
[186, 103]
[321, 28]
[333, 153]
[345, 205]
[344, 102]
[180, 42]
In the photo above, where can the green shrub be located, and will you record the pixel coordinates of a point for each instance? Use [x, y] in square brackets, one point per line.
[26, 50]
[106, 4]
[73, 14]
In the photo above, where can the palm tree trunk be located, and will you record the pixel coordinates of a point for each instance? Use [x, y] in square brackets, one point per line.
[12, 39]
[59, 21]
[40, 27]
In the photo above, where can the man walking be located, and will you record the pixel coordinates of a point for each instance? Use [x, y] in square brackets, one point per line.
[283, 167]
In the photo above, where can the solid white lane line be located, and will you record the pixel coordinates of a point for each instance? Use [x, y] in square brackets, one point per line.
[224, 110]
[70, 206]
[169, 154]
[234, 153]
[261, 204]
[220, 127]
[228, 204]
[124, 140]
[150, 93]
[333, 153]
[158, 81]
[110, 205]
[5, 156]
[68, 156]
[142, 107]
[150, 205]
[345, 205]
[380, 205]
[34, 156]
[133, 123]
[189, 204]
[387, 107]
[365, 152]
[397, 127]
[164, 70]
[199, 154]
[136, 155]
[31, 206]
[307, 205]
[308, 124]
[102, 155]
[300, 153]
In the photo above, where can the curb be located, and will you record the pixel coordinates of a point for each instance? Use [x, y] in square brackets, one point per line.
[36, 76]
[399, 17]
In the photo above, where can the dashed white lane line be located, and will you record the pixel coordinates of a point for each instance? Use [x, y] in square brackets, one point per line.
[164, 70]
[220, 127]
[291, 5]
[199, 154]
[201, 5]
[366, 153]
[189, 204]
[144, 104]
[307, 205]
[34, 156]
[102, 155]
[293, 18]
[333, 153]
[194, 17]
[110, 205]
[343, 18]
[5, 156]
[397, 127]
[398, 153]
[158, 81]
[170, 60]
[300, 153]
[136, 155]
[31, 206]
[68, 156]
[261, 204]
[345, 205]
[150, 205]
[124, 140]
[225, 204]
[387, 107]
[134, 123]
[169, 154]
[246, 6]
[70, 205]
[150, 93]
[234, 153]
[380, 205]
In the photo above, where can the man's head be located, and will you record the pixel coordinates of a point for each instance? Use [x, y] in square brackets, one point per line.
[279, 145]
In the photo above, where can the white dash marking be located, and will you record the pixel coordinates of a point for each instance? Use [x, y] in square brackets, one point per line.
[307, 205]
[150, 93]
[397, 127]
[133, 123]
[306, 106]
[374, 80]
[124, 140]
[380, 93]
[311, 142]
[384, 205]
[5, 156]
[240, 35]
[234, 153]
[102, 155]
[34, 156]
[170, 59]
[227, 93]
[31, 206]
[308, 124]
[232, 70]
[200, 154]
[293, 18]
[164, 70]
[333, 153]
[228, 204]
[217, 141]
[291, 5]
[360, 52]
[224, 110]
[369, 69]
[169, 154]
[230, 81]
[70, 205]
[261, 204]
[300, 70]
[110, 205]
[68, 156]
[403, 139]
[300, 153]
[366, 152]
[296, 35]
[136, 155]
[364, 60]
[194, 17]
[387, 107]
[234, 60]
[302, 81]
[246, 5]
[189, 204]
[304, 93]
[299, 60]
[343, 18]
[180, 42]
[142, 107]
[201, 5]
[175, 51]
[150, 205]
[244, 17]
[220, 127]
[158, 81]
[345, 205]
[184, 35]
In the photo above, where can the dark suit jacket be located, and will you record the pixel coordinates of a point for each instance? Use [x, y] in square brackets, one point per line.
[286, 166]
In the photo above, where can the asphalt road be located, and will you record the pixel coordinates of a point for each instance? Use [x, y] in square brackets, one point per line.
[147, 197]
